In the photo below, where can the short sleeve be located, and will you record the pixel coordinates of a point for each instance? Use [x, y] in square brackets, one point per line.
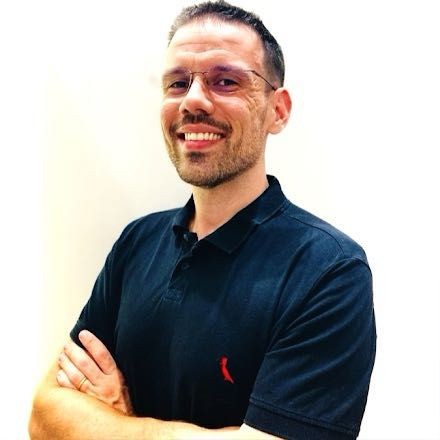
[100, 312]
[314, 379]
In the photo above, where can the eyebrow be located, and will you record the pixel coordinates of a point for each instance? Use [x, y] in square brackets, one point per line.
[218, 67]
[174, 71]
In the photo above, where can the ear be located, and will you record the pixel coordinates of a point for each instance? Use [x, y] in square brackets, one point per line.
[281, 108]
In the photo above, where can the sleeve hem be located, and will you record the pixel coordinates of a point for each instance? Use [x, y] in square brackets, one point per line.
[293, 426]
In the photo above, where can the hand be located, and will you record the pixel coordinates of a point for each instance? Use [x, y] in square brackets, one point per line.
[93, 372]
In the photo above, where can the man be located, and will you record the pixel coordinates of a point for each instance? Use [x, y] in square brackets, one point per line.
[239, 315]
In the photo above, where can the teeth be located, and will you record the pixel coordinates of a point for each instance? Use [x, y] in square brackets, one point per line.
[202, 136]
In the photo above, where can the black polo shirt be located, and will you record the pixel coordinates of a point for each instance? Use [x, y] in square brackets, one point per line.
[267, 321]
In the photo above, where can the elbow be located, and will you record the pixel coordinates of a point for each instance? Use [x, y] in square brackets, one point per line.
[38, 421]
[34, 425]
[34, 430]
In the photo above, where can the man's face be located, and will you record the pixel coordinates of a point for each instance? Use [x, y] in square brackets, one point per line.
[215, 130]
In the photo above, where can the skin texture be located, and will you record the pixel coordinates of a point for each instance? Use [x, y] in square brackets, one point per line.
[226, 176]
[93, 372]
[105, 382]
[242, 118]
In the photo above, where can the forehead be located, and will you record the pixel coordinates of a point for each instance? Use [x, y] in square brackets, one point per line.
[199, 43]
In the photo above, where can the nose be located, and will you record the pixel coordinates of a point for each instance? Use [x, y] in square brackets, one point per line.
[197, 99]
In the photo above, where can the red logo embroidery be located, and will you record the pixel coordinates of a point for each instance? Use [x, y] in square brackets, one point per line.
[224, 369]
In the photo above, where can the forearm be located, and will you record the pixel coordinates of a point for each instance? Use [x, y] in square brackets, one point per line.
[75, 416]
[60, 413]
[69, 415]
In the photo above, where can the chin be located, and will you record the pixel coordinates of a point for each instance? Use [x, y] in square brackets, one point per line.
[207, 181]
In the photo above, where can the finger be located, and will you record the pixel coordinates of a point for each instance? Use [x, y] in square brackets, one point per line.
[74, 376]
[98, 351]
[63, 380]
[82, 362]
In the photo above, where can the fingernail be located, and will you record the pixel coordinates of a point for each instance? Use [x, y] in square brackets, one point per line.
[84, 335]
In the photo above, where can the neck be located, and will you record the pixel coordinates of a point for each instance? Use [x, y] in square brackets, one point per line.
[215, 206]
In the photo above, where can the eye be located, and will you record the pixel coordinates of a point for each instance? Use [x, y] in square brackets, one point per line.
[175, 85]
[227, 79]
[224, 83]
[179, 84]
[227, 82]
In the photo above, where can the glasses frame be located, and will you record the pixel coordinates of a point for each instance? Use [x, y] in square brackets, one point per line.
[191, 77]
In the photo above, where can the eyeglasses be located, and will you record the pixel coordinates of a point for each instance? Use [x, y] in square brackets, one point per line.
[218, 79]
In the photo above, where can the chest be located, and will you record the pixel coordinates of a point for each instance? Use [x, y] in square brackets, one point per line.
[194, 330]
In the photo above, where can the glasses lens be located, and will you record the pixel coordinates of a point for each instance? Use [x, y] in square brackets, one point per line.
[176, 83]
[225, 79]
[219, 79]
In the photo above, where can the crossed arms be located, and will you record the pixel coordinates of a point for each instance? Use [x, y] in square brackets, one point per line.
[70, 408]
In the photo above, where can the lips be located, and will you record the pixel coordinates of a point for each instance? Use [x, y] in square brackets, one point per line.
[199, 136]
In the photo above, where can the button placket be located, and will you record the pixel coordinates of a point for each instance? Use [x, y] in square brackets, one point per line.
[179, 278]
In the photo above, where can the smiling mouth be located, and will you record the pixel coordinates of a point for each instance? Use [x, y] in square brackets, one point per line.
[200, 136]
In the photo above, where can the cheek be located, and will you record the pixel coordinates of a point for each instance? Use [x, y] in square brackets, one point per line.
[244, 112]
[167, 115]
[236, 112]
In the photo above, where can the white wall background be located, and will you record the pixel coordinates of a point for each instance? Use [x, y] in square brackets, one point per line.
[82, 155]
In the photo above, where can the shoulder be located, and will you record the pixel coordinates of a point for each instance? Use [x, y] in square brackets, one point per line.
[318, 227]
[306, 243]
[150, 223]
[144, 229]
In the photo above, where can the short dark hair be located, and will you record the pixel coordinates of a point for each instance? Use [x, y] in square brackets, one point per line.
[274, 59]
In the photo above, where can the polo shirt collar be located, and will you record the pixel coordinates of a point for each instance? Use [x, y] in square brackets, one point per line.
[232, 234]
